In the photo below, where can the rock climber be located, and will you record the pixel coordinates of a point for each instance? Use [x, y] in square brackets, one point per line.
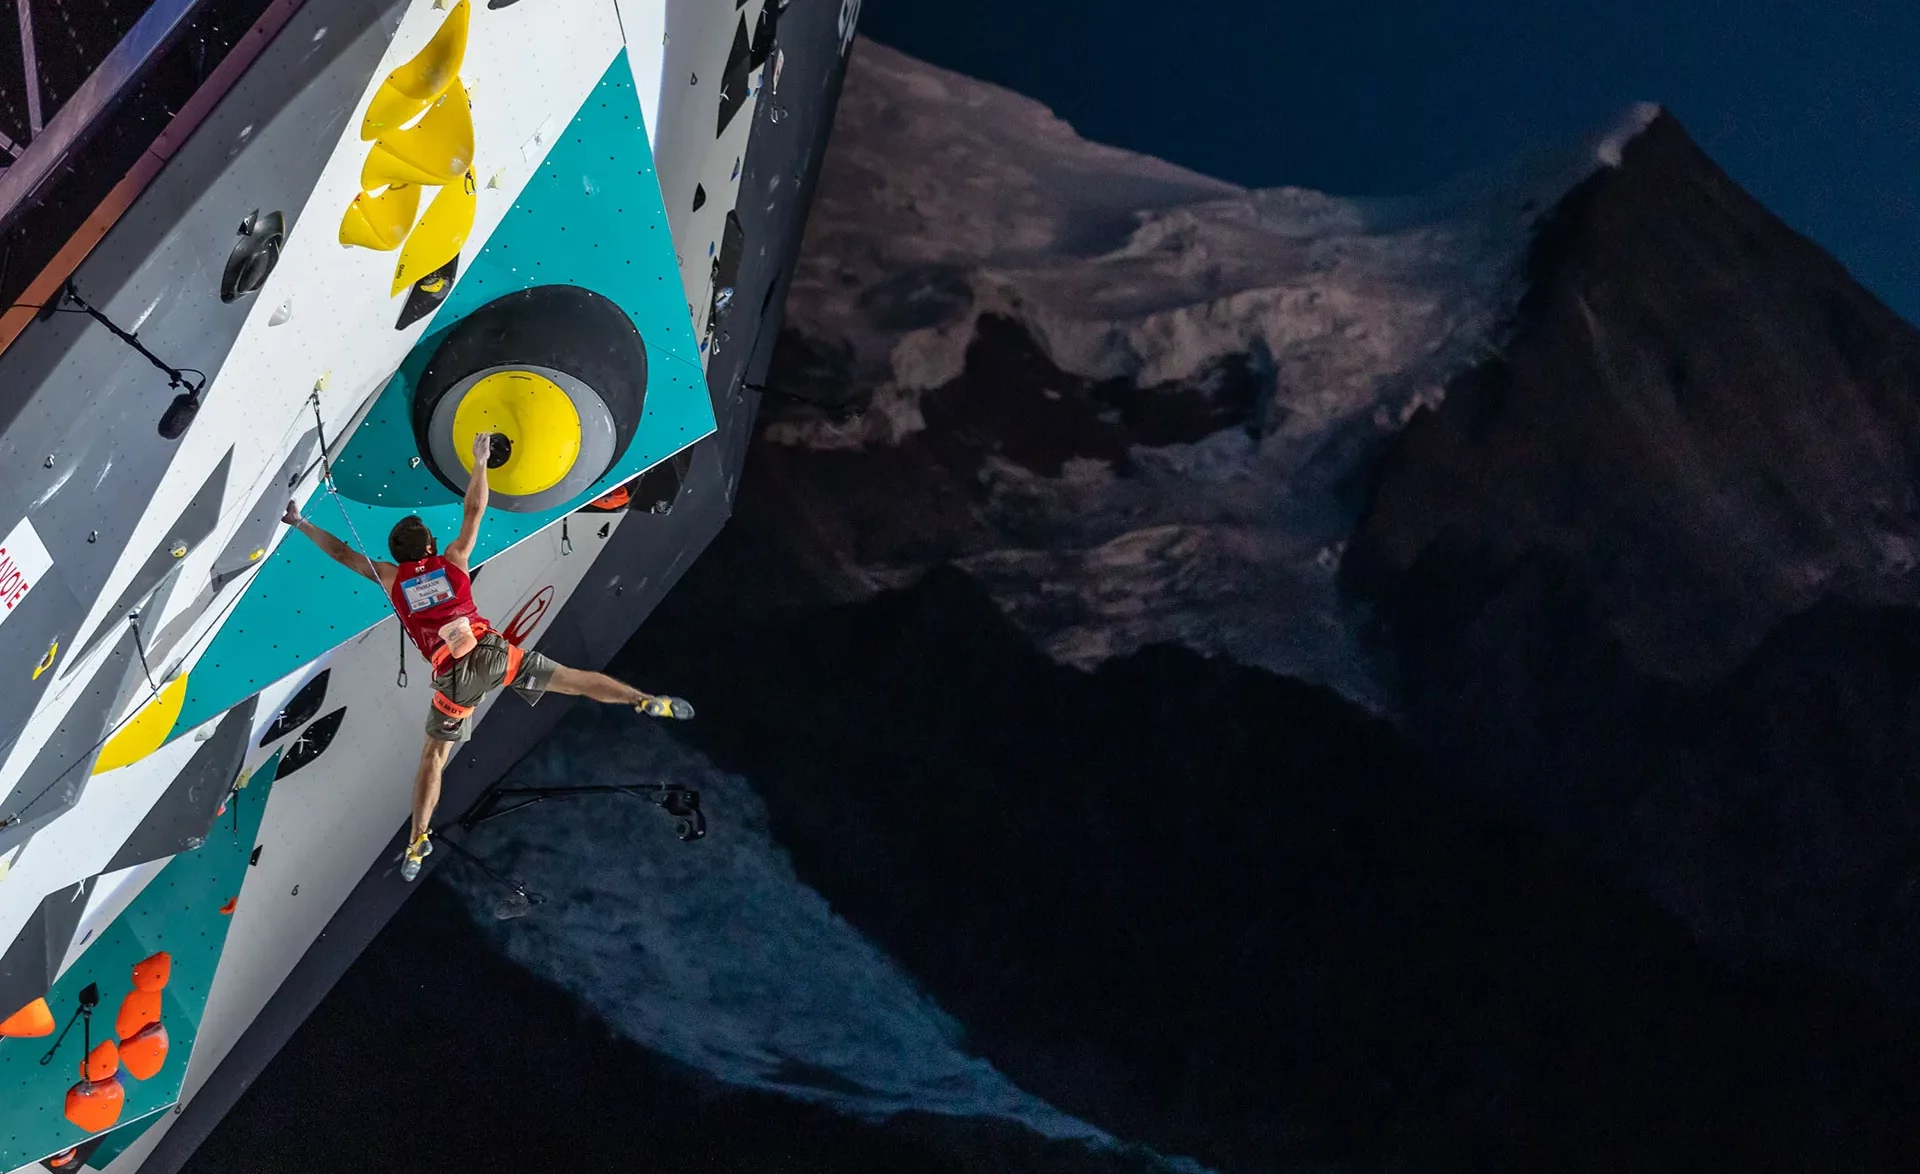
[432, 595]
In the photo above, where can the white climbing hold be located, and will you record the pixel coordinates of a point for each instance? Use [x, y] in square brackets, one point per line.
[281, 313]
[530, 150]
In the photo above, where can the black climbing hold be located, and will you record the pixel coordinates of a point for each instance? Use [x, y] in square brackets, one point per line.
[427, 293]
[763, 34]
[733, 84]
[655, 490]
[311, 744]
[254, 255]
[299, 709]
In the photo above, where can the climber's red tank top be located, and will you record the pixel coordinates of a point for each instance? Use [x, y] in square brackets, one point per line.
[429, 595]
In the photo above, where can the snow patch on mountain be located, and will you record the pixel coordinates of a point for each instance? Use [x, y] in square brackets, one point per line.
[715, 953]
[947, 205]
[1613, 144]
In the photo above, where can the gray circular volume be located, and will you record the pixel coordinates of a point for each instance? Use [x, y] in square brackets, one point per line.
[596, 438]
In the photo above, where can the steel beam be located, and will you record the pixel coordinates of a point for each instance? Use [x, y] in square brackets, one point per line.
[32, 60]
[144, 42]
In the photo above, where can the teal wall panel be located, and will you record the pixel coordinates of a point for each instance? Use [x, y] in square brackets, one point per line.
[179, 912]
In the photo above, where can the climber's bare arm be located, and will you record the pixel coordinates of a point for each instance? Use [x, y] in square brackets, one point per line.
[379, 571]
[474, 505]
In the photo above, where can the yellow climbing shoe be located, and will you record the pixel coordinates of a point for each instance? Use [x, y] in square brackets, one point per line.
[671, 707]
[417, 853]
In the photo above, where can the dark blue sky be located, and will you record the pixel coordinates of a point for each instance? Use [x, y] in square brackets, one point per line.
[1814, 106]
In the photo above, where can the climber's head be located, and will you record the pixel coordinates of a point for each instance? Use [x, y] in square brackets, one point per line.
[410, 541]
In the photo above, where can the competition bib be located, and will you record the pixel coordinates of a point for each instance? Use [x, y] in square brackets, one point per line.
[458, 636]
[429, 590]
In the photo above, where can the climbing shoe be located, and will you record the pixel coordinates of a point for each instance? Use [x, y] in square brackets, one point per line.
[671, 707]
[417, 853]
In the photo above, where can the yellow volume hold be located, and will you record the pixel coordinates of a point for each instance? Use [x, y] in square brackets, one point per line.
[381, 221]
[436, 150]
[440, 235]
[414, 86]
[147, 730]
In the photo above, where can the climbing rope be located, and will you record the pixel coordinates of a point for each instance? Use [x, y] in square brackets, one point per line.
[140, 646]
[360, 547]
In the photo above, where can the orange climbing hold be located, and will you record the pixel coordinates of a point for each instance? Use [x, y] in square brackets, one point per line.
[67, 1159]
[101, 1063]
[34, 1019]
[94, 1105]
[146, 1052]
[232, 904]
[151, 973]
[138, 1010]
[614, 499]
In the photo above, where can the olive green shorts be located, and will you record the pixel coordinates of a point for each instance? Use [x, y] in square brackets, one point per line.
[467, 681]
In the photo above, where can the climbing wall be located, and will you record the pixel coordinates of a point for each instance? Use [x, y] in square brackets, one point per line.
[263, 656]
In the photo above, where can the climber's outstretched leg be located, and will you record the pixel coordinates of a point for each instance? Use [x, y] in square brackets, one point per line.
[601, 687]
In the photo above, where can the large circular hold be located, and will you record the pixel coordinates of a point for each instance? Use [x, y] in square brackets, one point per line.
[558, 372]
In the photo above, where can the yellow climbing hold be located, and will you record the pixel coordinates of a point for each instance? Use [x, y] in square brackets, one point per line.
[413, 87]
[440, 234]
[46, 662]
[147, 730]
[538, 420]
[436, 150]
[381, 222]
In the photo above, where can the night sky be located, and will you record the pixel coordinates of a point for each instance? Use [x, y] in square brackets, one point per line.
[1813, 105]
